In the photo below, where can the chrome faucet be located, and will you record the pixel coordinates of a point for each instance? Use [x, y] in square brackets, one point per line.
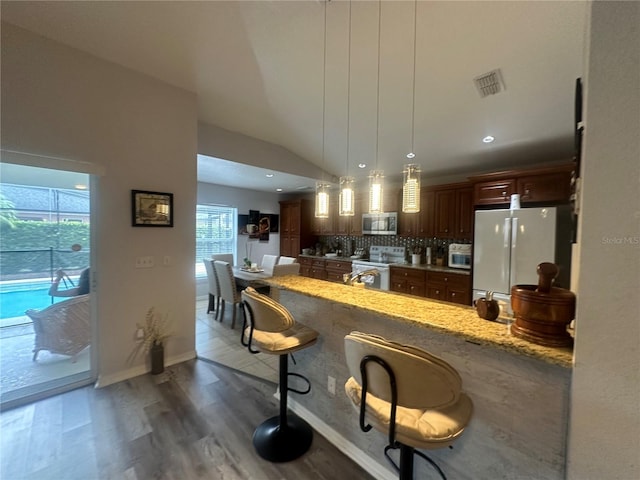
[356, 277]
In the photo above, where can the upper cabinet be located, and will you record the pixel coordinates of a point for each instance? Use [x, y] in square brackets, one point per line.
[295, 227]
[550, 185]
[446, 211]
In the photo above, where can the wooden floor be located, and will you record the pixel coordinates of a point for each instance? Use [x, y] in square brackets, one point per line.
[194, 421]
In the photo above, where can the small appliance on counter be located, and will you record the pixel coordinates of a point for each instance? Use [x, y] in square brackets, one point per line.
[460, 255]
[543, 312]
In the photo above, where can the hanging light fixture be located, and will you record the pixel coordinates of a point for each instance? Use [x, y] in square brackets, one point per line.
[347, 183]
[411, 171]
[376, 178]
[322, 187]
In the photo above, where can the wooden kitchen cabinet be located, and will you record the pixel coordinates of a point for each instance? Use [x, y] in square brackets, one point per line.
[336, 269]
[318, 269]
[449, 287]
[494, 192]
[408, 280]
[550, 185]
[305, 266]
[453, 216]
[464, 213]
[295, 227]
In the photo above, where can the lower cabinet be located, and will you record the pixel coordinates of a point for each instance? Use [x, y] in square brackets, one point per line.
[312, 267]
[449, 287]
[408, 280]
[336, 269]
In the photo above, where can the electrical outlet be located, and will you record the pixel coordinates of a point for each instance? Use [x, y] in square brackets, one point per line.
[145, 262]
[331, 385]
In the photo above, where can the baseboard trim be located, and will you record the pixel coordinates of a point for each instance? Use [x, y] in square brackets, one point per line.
[104, 380]
[356, 454]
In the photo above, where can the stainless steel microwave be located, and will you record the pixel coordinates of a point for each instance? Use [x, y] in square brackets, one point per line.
[380, 223]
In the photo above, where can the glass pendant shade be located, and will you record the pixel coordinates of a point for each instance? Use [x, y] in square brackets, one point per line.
[347, 197]
[411, 188]
[376, 187]
[322, 200]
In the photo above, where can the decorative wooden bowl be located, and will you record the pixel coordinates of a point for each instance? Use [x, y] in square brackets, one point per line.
[543, 312]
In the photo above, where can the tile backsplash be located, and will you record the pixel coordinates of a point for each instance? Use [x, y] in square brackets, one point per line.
[348, 244]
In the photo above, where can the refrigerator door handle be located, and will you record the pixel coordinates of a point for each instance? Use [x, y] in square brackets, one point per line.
[514, 248]
[507, 254]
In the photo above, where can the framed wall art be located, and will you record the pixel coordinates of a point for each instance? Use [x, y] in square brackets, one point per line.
[151, 209]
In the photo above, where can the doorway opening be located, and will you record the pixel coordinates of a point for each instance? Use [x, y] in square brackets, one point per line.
[45, 241]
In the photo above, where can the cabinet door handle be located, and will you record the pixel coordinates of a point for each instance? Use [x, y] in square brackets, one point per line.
[504, 194]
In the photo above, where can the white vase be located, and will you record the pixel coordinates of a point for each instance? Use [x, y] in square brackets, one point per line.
[415, 259]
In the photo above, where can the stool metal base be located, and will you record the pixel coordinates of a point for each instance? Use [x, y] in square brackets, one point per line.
[277, 443]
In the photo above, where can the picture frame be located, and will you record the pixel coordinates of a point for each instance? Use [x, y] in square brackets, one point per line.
[151, 209]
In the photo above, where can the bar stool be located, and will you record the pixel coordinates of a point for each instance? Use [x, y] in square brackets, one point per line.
[408, 393]
[270, 328]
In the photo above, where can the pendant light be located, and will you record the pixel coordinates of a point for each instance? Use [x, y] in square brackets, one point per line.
[322, 187]
[347, 191]
[376, 178]
[411, 171]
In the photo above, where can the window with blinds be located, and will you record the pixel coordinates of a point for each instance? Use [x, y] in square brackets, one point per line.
[216, 232]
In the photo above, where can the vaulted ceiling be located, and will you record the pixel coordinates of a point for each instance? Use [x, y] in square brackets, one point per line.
[266, 69]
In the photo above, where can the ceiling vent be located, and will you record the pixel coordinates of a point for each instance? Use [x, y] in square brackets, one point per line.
[489, 83]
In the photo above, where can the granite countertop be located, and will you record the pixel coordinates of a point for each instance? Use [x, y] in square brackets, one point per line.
[423, 266]
[446, 317]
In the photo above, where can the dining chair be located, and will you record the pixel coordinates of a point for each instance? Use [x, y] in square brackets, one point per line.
[286, 260]
[228, 290]
[268, 262]
[286, 269]
[214, 289]
[223, 257]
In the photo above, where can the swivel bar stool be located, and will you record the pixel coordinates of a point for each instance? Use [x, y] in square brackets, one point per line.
[270, 328]
[407, 393]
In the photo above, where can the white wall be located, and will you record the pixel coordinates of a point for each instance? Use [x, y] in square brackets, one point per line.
[604, 429]
[244, 200]
[57, 101]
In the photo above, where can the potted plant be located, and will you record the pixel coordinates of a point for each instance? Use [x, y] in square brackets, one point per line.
[155, 331]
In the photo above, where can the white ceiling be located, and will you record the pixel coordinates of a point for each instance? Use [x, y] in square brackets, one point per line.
[258, 68]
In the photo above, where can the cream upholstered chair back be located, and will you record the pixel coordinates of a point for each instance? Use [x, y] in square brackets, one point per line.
[268, 262]
[211, 277]
[423, 380]
[267, 315]
[224, 257]
[286, 260]
[226, 282]
[286, 269]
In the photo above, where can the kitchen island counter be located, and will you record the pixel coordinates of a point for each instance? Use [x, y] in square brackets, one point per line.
[445, 317]
[520, 391]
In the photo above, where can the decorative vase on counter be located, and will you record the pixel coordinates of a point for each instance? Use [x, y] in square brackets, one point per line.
[487, 307]
[415, 258]
[157, 358]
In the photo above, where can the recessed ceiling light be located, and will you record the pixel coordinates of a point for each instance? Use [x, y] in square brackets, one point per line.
[362, 165]
[269, 175]
[488, 139]
[411, 155]
[80, 186]
[278, 189]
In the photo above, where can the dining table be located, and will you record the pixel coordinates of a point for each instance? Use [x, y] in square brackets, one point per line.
[246, 277]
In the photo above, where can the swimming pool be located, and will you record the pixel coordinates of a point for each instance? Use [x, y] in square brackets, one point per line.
[17, 297]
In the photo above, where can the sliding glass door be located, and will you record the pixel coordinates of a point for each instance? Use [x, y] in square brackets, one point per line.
[45, 299]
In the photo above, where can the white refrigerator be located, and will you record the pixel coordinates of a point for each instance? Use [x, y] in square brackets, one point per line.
[508, 245]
